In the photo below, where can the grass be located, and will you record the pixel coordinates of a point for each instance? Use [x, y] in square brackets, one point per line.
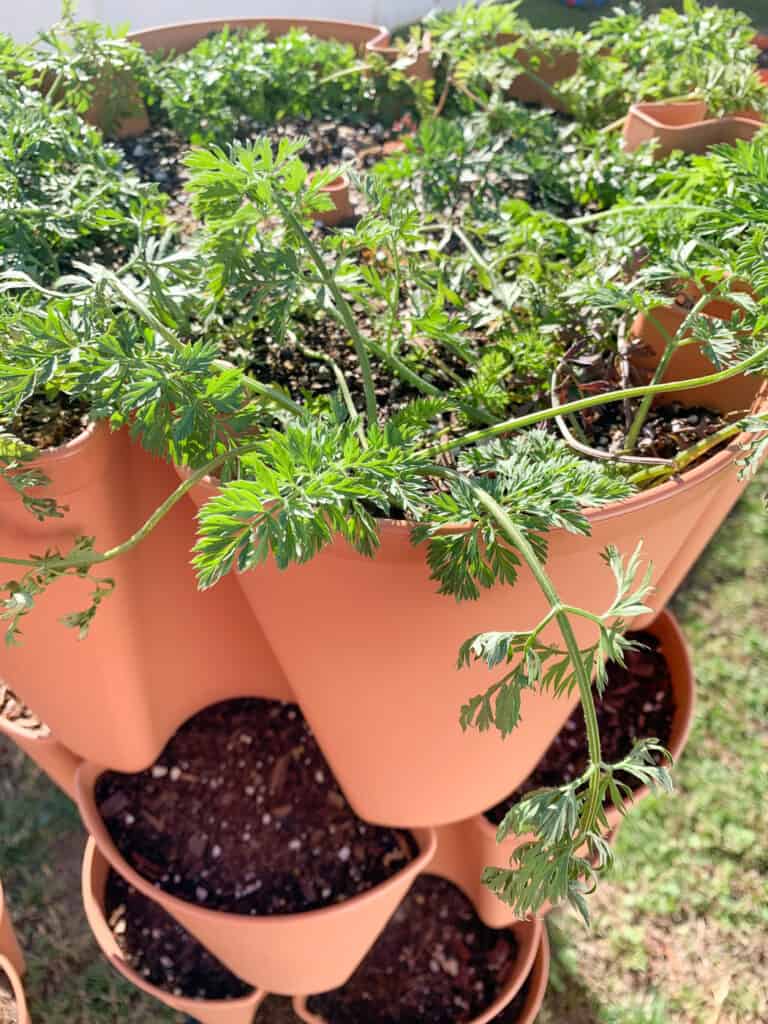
[680, 933]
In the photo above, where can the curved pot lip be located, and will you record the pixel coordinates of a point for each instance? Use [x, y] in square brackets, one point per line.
[535, 952]
[85, 780]
[94, 911]
[380, 35]
[683, 686]
[61, 458]
[687, 481]
[645, 111]
[7, 968]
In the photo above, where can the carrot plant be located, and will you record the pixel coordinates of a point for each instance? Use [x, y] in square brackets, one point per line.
[461, 335]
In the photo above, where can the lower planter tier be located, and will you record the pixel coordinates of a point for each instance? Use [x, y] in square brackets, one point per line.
[684, 125]
[456, 961]
[208, 1011]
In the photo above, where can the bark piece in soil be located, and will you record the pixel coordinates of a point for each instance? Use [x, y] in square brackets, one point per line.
[49, 422]
[8, 1010]
[435, 963]
[14, 711]
[163, 952]
[241, 813]
[638, 702]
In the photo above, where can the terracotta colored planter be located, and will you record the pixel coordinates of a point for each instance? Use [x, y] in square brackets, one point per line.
[761, 42]
[742, 392]
[158, 650]
[398, 751]
[464, 849]
[685, 126]
[532, 88]
[533, 960]
[9, 944]
[56, 760]
[338, 191]
[284, 953]
[214, 1011]
[7, 969]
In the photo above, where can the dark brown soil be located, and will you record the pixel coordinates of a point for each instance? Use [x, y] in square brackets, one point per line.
[241, 813]
[668, 430]
[638, 703]
[163, 952]
[12, 709]
[49, 422]
[158, 155]
[511, 1013]
[8, 1010]
[762, 59]
[435, 963]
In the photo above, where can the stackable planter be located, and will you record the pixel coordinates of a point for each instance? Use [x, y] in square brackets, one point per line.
[539, 976]
[546, 70]
[283, 953]
[182, 36]
[56, 760]
[159, 650]
[465, 848]
[761, 42]
[397, 750]
[12, 961]
[338, 192]
[684, 125]
[218, 1011]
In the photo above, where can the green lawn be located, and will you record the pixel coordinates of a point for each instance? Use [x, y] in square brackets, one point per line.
[680, 933]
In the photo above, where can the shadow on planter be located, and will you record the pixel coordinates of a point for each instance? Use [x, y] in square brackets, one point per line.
[282, 953]
[545, 71]
[159, 650]
[214, 1011]
[684, 125]
[464, 849]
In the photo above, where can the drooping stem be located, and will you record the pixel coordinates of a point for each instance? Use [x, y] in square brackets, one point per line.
[134, 302]
[521, 543]
[671, 346]
[341, 306]
[621, 211]
[88, 558]
[530, 419]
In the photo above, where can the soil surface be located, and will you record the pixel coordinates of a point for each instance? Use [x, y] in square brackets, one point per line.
[762, 59]
[12, 709]
[158, 155]
[668, 430]
[49, 422]
[241, 813]
[163, 952]
[638, 703]
[435, 963]
[8, 1011]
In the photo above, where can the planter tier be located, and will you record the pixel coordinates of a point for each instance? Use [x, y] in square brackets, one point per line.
[287, 954]
[465, 848]
[545, 71]
[147, 665]
[215, 1011]
[538, 978]
[684, 125]
[182, 36]
[397, 750]
[56, 760]
[12, 960]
